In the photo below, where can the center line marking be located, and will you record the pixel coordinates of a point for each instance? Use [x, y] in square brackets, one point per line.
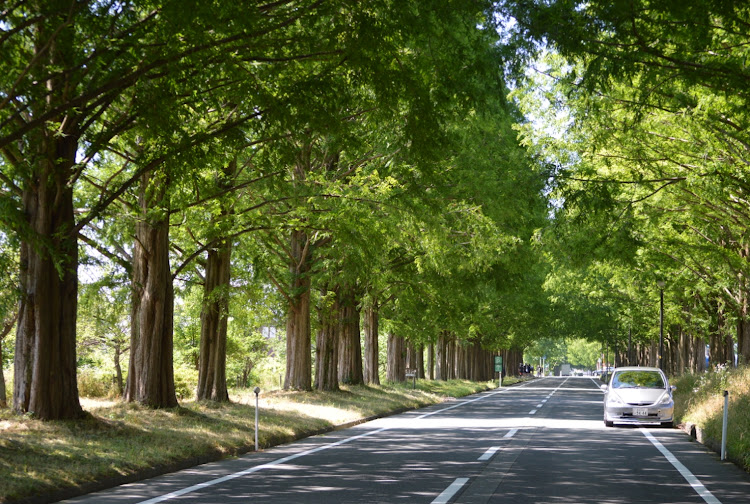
[489, 453]
[511, 433]
[449, 492]
[532, 412]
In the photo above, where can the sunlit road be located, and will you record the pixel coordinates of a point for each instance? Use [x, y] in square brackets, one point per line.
[543, 441]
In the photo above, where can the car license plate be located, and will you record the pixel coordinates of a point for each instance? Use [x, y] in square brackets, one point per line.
[640, 412]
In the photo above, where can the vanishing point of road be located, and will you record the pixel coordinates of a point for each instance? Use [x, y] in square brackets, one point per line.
[538, 442]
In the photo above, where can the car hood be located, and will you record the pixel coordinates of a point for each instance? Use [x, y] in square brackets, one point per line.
[639, 395]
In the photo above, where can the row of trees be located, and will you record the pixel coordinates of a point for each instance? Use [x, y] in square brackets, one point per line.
[647, 134]
[331, 159]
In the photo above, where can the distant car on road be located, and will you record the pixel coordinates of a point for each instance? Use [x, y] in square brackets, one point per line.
[638, 395]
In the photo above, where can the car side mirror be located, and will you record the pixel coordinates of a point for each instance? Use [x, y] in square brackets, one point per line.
[673, 388]
[604, 387]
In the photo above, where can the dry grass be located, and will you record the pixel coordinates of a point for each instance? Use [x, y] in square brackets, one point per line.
[699, 400]
[118, 439]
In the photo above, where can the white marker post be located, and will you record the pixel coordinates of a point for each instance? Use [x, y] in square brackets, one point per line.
[257, 391]
[724, 426]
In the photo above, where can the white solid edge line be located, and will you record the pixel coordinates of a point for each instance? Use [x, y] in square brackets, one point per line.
[229, 477]
[449, 492]
[689, 477]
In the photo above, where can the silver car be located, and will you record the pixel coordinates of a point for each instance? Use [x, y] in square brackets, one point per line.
[638, 395]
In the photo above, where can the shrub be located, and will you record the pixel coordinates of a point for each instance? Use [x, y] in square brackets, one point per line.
[185, 382]
[93, 382]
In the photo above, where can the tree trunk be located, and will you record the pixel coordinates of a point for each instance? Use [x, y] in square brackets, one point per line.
[298, 338]
[396, 365]
[150, 371]
[45, 359]
[431, 361]
[212, 365]
[411, 356]
[743, 335]
[118, 371]
[7, 327]
[45, 356]
[441, 364]
[327, 352]
[420, 361]
[372, 362]
[350, 345]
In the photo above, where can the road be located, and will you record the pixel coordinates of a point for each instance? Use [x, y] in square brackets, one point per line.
[542, 441]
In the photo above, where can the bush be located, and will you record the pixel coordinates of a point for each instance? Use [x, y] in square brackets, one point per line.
[185, 382]
[93, 382]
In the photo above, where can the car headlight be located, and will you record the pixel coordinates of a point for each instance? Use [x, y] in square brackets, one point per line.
[665, 399]
[614, 400]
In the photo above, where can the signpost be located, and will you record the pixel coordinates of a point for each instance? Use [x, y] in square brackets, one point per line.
[499, 369]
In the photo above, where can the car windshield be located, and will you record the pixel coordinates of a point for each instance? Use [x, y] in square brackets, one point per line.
[638, 379]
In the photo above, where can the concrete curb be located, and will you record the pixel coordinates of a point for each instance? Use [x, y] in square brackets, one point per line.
[697, 433]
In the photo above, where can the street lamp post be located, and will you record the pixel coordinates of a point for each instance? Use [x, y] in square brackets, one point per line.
[661, 285]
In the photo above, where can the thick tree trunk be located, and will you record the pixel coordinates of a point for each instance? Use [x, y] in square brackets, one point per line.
[327, 352]
[350, 345]
[212, 365]
[372, 363]
[298, 338]
[150, 371]
[396, 365]
[45, 358]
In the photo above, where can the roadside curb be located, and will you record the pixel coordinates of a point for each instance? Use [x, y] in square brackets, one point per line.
[697, 433]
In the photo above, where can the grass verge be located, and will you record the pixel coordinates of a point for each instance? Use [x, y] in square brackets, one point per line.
[117, 441]
[699, 400]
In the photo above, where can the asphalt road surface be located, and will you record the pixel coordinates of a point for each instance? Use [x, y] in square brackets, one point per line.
[542, 441]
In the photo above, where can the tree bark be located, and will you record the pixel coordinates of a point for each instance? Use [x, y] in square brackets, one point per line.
[298, 338]
[350, 345]
[441, 364]
[212, 365]
[743, 332]
[7, 327]
[420, 361]
[150, 371]
[396, 365]
[118, 371]
[431, 361]
[45, 359]
[372, 361]
[327, 352]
